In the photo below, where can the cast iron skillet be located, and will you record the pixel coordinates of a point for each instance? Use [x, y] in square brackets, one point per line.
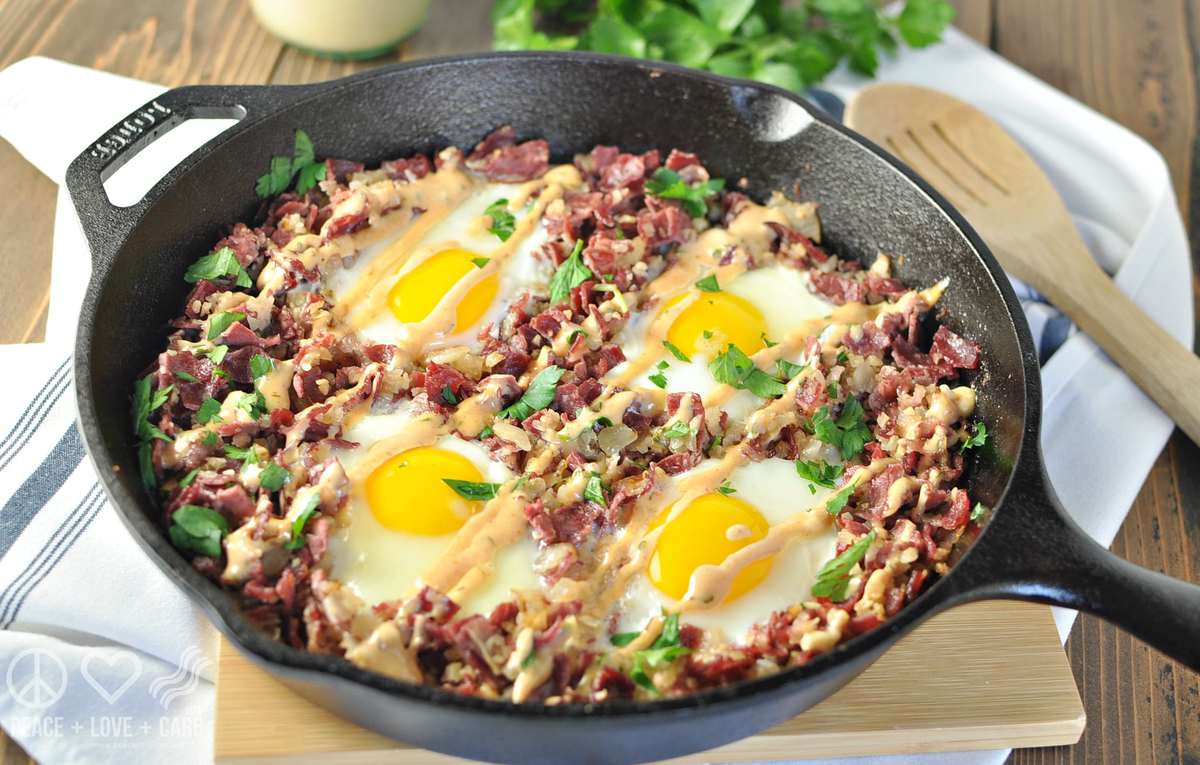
[1029, 550]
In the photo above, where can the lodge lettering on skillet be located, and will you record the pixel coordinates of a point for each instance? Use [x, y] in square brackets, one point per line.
[134, 126]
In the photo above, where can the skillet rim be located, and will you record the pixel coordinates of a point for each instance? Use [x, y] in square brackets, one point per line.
[219, 605]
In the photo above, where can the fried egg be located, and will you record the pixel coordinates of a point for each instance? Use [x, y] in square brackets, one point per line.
[401, 514]
[453, 249]
[761, 306]
[712, 527]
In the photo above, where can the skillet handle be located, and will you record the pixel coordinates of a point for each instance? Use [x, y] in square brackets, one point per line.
[1035, 551]
[107, 225]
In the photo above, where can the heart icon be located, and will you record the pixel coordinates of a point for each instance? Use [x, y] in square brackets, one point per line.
[116, 665]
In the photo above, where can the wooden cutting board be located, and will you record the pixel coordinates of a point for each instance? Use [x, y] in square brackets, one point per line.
[983, 676]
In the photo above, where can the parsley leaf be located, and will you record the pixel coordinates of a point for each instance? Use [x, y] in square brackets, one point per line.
[659, 379]
[622, 639]
[834, 504]
[979, 511]
[922, 21]
[787, 369]
[768, 342]
[476, 491]
[978, 438]
[260, 365]
[210, 439]
[503, 222]
[217, 265]
[834, 577]
[570, 274]
[277, 178]
[674, 349]
[308, 509]
[217, 353]
[667, 184]
[708, 284]
[309, 176]
[219, 322]
[185, 376]
[248, 455]
[302, 166]
[274, 476]
[448, 395]
[186, 481]
[819, 473]
[733, 367]
[594, 490]
[727, 489]
[677, 429]
[145, 402]
[198, 529]
[481, 262]
[537, 397]
[208, 411]
[849, 433]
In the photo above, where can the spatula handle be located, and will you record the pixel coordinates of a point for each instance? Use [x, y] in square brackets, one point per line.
[1160, 365]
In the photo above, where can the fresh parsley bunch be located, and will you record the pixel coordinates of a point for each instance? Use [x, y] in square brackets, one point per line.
[793, 47]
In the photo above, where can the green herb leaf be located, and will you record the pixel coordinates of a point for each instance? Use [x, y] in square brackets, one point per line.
[503, 222]
[659, 379]
[842, 357]
[185, 376]
[481, 262]
[978, 438]
[487, 432]
[837, 502]
[763, 385]
[277, 179]
[186, 481]
[819, 473]
[849, 433]
[274, 476]
[733, 367]
[311, 502]
[309, 176]
[537, 397]
[727, 489]
[610, 34]
[676, 429]
[593, 491]
[570, 274]
[768, 342]
[218, 323]
[198, 529]
[217, 265]
[247, 456]
[448, 395]
[208, 411]
[476, 491]
[667, 184]
[708, 284]
[922, 22]
[622, 639]
[979, 511]
[217, 353]
[787, 369]
[210, 439]
[834, 577]
[674, 349]
[260, 365]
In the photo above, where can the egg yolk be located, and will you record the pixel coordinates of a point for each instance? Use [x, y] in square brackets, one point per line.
[407, 492]
[700, 535]
[715, 319]
[418, 292]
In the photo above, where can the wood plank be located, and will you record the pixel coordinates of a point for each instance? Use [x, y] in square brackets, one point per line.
[1009, 686]
[974, 17]
[25, 252]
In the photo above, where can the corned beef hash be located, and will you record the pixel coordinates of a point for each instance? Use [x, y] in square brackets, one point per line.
[555, 433]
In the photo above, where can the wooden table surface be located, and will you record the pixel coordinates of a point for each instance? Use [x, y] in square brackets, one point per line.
[1133, 60]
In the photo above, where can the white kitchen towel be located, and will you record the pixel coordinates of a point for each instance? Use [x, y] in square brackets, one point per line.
[91, 632]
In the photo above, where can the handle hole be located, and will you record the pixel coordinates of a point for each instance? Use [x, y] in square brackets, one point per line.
[127, 183]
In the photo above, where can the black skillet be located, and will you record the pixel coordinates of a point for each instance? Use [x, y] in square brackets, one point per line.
[869, 203]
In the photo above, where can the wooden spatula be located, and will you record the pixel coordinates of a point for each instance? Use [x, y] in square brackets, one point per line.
[997, 186]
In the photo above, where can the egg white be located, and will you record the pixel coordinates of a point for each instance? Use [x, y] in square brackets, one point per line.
[774, 488]
[380, 564]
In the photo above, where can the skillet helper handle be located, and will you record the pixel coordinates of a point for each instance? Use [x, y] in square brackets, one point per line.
[107, 225]
[1043, 556]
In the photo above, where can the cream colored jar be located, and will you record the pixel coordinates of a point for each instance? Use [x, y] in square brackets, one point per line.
[341, 28]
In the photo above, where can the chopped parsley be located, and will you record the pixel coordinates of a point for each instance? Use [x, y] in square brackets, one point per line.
[208, 411]
[503, 221]
[481, 261]
[476, 491]
[849, 432]
[658, 378]
[210, 439]
[487, 432]
[976, 439]
[308, 509]
[677, 429]
[674, 349]
[145, 402]
[448, 395]
[665, 649]
[708, 284]
[537, 397]
[186, 481]
[834, 504]
[260, 365]
[833, 390]
[198, 529]
[834, 577]
[594, 490]
[842, 357]
[301, 166]
[622, 639]
[727, 489]
[819, 473]
[216, 354]
[667, 184]
[767, 341]
[219, 322]
[274, 476]
[979, 511]
[787, 369]
[217, 265]
[735, 368]
[247, 456]
[185, 376]
[569, 275]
